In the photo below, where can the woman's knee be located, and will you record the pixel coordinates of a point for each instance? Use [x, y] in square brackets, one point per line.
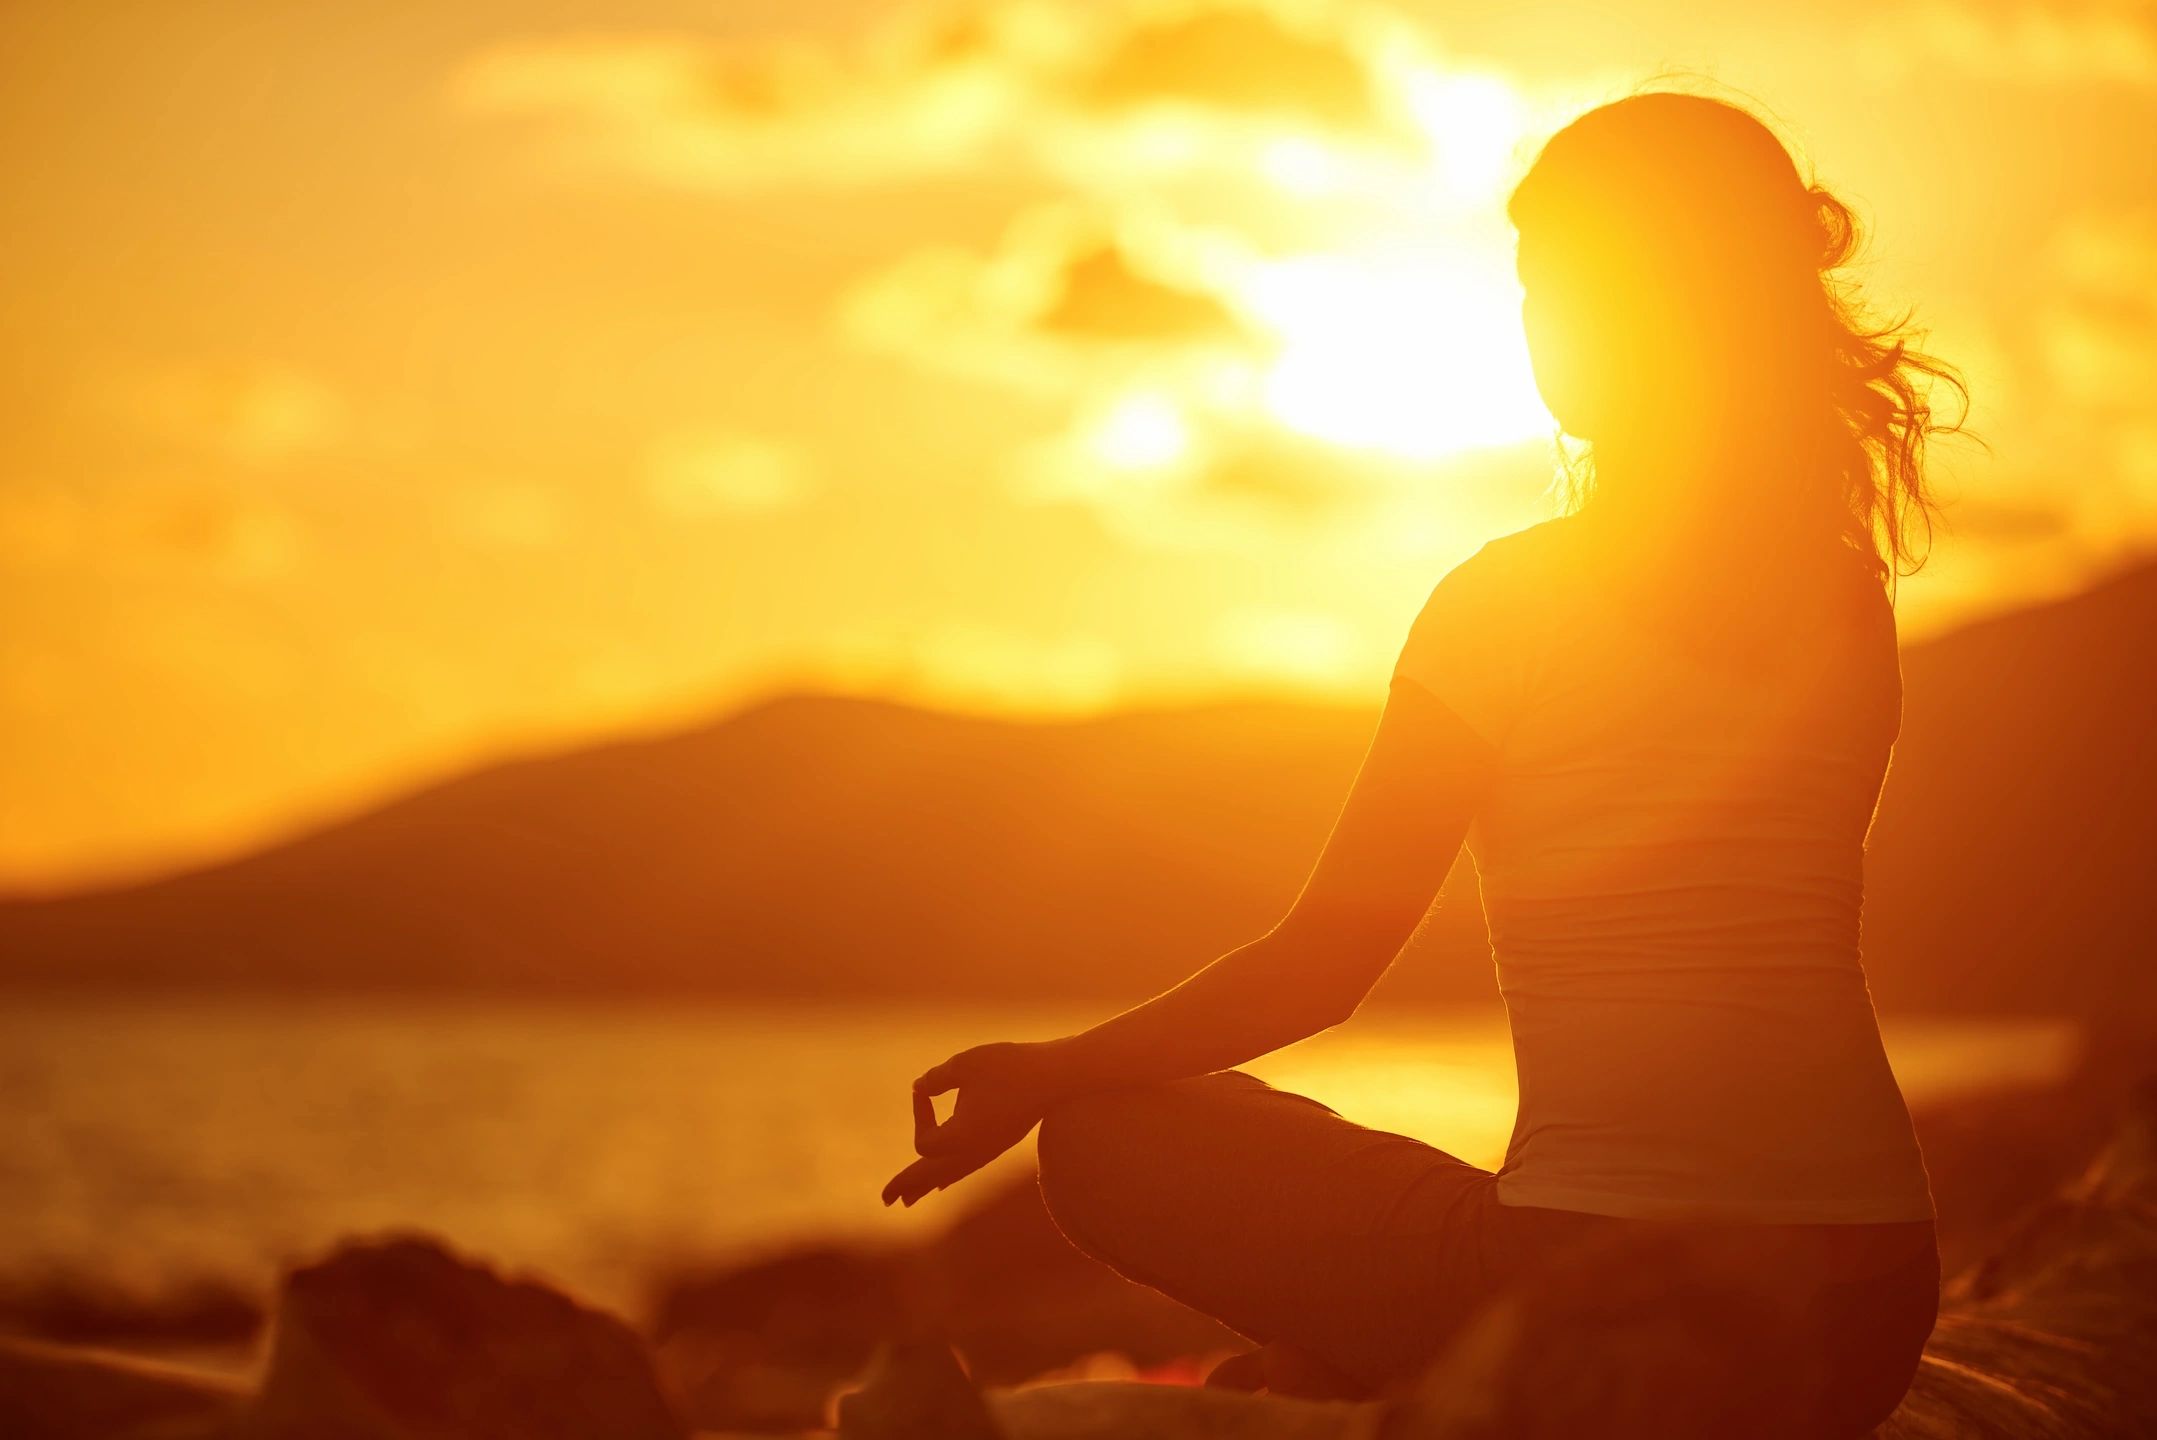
[1099, 1147]
[1087, 1137]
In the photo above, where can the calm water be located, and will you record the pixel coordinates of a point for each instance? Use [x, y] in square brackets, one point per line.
[144, 1148]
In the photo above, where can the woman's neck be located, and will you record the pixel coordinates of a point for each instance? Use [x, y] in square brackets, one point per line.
[1712, 545]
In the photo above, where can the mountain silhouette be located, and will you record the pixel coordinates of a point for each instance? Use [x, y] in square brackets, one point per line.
[820, 846]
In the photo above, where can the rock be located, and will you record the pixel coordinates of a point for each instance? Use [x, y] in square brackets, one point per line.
[1995, 1155]
[400, 1339]
[916, 1391]
[764, 1346]
[2055, 1335]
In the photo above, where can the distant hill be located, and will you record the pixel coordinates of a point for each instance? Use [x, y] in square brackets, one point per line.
[821, 846]
[2014, 860]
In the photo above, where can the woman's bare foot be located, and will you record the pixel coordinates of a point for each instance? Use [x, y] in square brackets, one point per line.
[1282, 1369]
[1239, 1372]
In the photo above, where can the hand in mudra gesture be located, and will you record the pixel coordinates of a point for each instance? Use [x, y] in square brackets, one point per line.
[1003, 1090]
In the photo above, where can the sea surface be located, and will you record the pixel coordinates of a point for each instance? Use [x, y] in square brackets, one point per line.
[146, 1149]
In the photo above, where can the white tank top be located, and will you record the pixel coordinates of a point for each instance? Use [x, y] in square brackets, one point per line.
[1671, 862]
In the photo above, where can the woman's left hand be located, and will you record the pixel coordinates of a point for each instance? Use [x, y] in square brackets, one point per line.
[1004, 1089]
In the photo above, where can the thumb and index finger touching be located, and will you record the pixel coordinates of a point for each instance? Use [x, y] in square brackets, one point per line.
[940, 1164]
[938, 1079]
[929, 1136]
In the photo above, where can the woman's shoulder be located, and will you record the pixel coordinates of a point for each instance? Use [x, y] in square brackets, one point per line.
[1525, 561]
[1518, 585]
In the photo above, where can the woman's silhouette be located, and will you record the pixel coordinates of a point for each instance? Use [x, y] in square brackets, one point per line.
[1660, 724]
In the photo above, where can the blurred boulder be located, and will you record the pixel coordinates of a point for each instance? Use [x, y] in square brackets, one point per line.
[2055, 1334]
[916, 1391]
[763, 1345]
[399, 1339]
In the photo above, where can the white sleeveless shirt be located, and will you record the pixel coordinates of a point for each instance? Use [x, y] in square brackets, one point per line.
[1671, 863]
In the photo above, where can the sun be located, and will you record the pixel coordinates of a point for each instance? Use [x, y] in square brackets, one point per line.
[1418, 355]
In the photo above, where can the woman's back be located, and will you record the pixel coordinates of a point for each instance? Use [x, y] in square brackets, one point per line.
[1671, 863]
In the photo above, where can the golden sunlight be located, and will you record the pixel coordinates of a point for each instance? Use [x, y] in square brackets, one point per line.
[1415, 355]
[1142, 431]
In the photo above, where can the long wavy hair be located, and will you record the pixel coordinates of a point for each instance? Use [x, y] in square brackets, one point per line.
[1684, 217]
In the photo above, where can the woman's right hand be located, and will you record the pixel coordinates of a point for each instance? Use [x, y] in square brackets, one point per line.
[1003, 1091]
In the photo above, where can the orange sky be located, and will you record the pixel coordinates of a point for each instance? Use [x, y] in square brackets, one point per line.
[390, 386]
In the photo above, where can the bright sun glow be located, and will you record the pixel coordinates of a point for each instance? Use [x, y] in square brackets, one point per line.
[1475, 123]
[1143, 431]
[1413, 356]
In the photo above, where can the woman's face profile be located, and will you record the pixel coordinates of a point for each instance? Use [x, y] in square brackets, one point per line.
[1582, 342]
[1610, 335]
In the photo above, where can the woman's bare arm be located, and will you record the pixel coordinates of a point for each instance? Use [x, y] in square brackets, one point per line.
[1397, 836]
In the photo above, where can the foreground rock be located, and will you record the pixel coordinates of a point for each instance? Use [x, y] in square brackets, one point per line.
[388, 1340]
[401, 1339]
[2055, 1334]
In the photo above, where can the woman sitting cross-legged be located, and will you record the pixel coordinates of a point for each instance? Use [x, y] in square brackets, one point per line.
[1660, 725]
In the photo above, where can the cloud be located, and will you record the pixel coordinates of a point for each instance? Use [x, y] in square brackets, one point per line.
[688, 110]
[705, 473]
[2095, 336]
[161, 528]
[2025, 43]
[1997, 520]
[1276, 268]
[257, 415]
[1240, 60]
[507, 515]
[1062, 299]
[979, 667]
[1048, 86]
[1161, 470]
[2100, 330]
[1103, 295]
[1293, 477]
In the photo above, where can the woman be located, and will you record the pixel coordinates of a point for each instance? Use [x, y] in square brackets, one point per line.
[1660, 724]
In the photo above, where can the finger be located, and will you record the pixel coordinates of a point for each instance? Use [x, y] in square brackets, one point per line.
[956, 1136]
[925, 1176]
[924, 1122]
[944, 1171]
[950, 1171]
[906, 1182]
[895, 1187]
[939, 1078]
